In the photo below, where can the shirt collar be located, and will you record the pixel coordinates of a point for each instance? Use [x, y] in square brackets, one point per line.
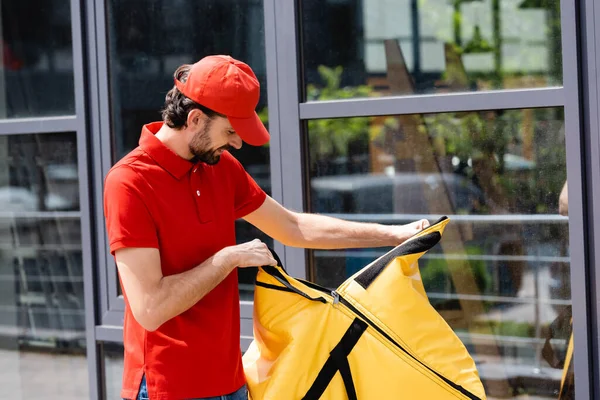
[160, 153]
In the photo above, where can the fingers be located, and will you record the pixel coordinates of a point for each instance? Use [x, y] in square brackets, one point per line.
[259, 253]
[265, 249]
[418, 225]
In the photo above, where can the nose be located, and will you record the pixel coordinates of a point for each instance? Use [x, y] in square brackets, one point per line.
[235, 141]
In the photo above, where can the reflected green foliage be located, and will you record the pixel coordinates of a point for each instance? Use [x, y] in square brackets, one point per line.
[339, 137]
[483, 142]
[480, 142]
[504, 328]
[437, 277]
[481, 27]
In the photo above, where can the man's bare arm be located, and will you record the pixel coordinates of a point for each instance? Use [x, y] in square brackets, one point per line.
[322, 232]
[155, 299]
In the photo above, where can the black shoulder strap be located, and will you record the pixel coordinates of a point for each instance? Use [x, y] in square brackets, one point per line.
[338, 361]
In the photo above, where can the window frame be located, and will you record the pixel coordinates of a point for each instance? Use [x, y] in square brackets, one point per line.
[288, 116]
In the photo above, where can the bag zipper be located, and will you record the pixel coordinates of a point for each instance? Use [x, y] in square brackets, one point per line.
[337, 298]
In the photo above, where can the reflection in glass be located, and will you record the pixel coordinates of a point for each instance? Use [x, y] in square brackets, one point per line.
[148, 40]
[500, 276]
[38, 173]
[36, 59]
[361, 48]
[113, 369]
[41, 274]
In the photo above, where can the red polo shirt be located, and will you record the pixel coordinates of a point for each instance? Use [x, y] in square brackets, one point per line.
[154, 198]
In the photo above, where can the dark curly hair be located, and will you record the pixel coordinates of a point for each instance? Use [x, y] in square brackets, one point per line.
[177, 105]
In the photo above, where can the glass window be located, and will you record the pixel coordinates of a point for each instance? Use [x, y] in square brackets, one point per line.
[500, 276]
[113, 369]
[41, 274]
[36, 59]
[362, 48]
[149, 39]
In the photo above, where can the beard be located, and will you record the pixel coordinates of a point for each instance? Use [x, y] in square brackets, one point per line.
[201, 147]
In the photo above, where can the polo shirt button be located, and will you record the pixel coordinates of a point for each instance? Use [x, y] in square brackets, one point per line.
[198, 192]
[195, 169]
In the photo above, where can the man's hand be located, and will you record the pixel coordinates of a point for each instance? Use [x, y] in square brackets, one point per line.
[249, 254]
[403, 232]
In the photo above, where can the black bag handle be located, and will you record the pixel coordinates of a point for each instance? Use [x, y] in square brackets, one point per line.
[275, 273]
[418, 245]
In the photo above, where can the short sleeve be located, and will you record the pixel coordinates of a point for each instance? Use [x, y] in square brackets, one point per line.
[248, 195]
[128, 220]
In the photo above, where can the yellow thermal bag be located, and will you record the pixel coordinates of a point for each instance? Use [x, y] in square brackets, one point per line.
[375, 337]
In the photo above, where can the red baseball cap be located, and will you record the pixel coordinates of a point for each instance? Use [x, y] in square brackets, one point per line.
[229, 87]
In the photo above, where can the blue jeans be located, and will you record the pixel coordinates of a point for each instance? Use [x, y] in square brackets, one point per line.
[240, 394]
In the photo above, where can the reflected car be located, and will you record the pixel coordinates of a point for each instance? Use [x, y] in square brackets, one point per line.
[403, 197]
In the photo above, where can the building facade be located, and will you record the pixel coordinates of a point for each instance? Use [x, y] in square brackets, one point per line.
[379, 110]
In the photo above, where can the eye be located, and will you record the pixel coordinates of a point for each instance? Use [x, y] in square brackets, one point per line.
[231, 132]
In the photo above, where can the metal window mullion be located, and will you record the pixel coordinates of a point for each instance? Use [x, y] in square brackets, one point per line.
[94, 122]
[109, 333]
[112, 318]
[246, 333]
[115, 301]
[42, 214]
[106, 145]
[103, 157]
[290, 143]
[434, 103]
[578, 139]
[246, 308]
[80, 126]
[275, 144]
[44, 125]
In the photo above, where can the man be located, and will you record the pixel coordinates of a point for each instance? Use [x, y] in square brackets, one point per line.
[170, 207]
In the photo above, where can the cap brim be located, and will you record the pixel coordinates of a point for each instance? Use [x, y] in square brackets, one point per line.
[251, 130]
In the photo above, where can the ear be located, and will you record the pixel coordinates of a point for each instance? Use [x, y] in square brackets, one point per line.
[195, 119]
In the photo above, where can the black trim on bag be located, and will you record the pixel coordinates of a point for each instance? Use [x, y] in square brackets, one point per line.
[442, 219]
[275, 273]
[275, 287]
[418, 245]
[315, 286]
[338, 361]
[285, 289]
